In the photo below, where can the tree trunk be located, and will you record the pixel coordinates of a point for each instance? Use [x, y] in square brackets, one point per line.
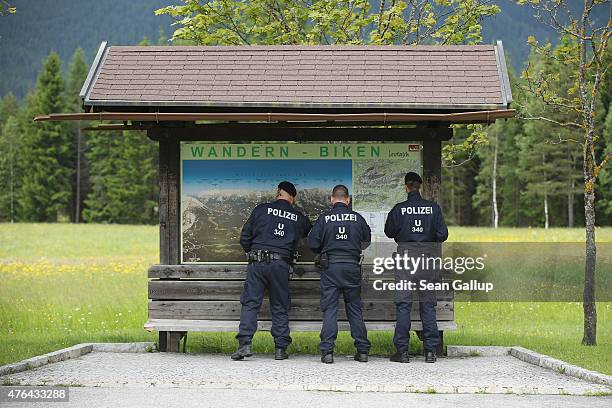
[452, 196]
[12, 176]
[587, 99]
[572, 187]
[77, 206]
[588, 298]
[546, 223]
[494, 185]
[570, 206]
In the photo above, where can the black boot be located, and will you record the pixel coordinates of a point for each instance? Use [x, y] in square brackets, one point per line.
[245, 350]
[280, 354]
[327, 358]
[361, 357]
[430, 356]
[400, 357]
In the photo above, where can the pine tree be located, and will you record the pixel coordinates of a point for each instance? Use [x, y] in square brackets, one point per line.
[9, 140]
[604, 186]
[9, 169]
[77, 73]
[459, 184]
[8, 107]
[549, 155]
[606, 85]
[604, 193]
[139, 201]
[124, 178]
[103, 156]
[45, 156]
[546, 167]
[486, 200]
[512, 209]
[497, 197]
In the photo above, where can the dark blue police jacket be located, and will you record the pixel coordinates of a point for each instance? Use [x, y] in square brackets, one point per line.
[341, 232]
[416, 220]
[275, 226]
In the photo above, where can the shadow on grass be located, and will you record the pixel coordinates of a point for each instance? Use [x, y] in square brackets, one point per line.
[303, 343]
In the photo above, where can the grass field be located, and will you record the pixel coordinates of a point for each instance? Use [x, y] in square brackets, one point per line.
[63, 284]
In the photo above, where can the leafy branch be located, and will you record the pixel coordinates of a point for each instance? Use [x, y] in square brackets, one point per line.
[7, 8]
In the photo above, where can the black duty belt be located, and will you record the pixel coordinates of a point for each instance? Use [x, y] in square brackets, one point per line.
[263, 255]
[348, 259]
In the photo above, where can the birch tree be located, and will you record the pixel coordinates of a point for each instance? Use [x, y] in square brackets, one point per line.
[576, 97]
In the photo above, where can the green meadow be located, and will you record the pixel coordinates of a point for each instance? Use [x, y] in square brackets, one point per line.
[63, 284]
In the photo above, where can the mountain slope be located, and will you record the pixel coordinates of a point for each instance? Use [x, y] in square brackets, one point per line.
[62, 25]
[40, 27]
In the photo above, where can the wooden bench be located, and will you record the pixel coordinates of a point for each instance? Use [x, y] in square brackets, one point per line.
[184, 298]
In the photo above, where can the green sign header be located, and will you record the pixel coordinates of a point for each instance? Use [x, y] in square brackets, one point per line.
[270, 151]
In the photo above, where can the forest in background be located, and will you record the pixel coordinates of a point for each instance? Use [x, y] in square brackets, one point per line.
[56, 172]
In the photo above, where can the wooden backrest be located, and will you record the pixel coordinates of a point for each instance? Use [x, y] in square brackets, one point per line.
[212, 292]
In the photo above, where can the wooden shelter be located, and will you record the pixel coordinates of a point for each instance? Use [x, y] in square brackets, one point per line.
[301, 94]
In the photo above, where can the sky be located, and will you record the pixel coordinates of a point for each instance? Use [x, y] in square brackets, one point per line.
[202, 175]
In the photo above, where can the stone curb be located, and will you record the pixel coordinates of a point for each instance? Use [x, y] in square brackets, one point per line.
[531, 357]
[520, 353]
[74, 352]
[139, 347]
[559, 366]
[476, 351]
[324, 386]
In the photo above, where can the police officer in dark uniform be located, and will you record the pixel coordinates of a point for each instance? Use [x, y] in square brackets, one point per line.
[339, 236]
[417, 225]
[269, 238]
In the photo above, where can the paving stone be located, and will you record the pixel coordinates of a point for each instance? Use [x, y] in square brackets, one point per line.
[495, 374]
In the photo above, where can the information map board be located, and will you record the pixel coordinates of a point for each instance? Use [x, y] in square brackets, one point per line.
[222, 183]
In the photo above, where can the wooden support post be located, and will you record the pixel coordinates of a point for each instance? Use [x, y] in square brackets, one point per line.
[432, 184]
[174, 180]
[170, 341]
[169, 178]
[174, 341]
[163, 341]
[432, 169]
[163, 203]
[169, 175]
[440, 350]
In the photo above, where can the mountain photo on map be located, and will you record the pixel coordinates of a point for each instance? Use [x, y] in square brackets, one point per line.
[219, 195]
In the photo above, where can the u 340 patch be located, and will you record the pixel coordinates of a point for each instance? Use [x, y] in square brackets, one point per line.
[341, 233]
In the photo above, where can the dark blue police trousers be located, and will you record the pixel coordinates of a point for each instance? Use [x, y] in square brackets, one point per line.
[427, 308]
[273, 276]
[342, 278]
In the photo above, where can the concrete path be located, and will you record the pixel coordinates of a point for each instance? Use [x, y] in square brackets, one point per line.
[467, 375]
[137, 397]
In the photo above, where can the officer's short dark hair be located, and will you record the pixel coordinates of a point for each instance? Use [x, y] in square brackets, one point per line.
[340, 191]
[287, 187]
[413, 180]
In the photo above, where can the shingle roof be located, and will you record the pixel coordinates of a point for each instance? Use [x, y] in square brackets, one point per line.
[399, 77]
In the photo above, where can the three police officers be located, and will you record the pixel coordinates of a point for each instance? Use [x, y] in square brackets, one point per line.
[417, 225]
[269, 239]
[338, 236]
